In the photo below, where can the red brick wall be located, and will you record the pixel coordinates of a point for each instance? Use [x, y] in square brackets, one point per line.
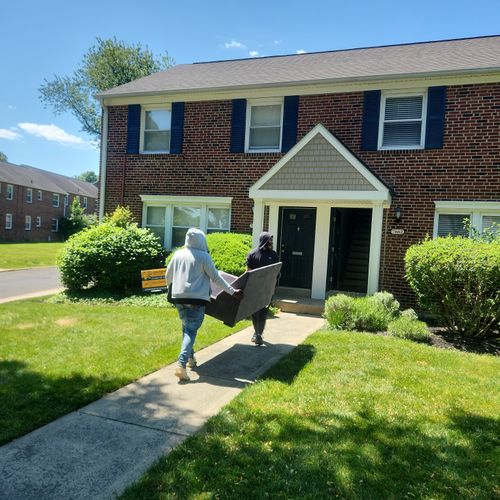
[467, 168]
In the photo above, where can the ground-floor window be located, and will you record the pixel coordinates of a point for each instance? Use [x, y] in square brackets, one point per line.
[8, 221]
[55, 225]
[170, 217]
[27, 223]
[455, 218]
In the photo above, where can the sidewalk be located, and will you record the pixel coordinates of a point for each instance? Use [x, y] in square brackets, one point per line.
[102, 448]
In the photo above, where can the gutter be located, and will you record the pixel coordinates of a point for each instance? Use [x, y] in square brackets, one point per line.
[103, 160]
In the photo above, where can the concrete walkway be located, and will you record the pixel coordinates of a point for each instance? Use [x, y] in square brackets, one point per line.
[100, 449]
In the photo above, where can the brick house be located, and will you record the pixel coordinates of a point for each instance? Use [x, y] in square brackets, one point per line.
[348, 157]
[33, 201]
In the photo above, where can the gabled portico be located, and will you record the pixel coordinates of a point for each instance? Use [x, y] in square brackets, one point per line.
[320, 174]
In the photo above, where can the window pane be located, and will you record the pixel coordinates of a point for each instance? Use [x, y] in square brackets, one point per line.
[158, 120]
[158, 231]
[489, 220]
[157, 141]
[155, 216]
[266, 115]
[187, 217]
[178, 236]
[452, 225]
[218, 219]
[265, 138]
[402, 134]
[403, 108]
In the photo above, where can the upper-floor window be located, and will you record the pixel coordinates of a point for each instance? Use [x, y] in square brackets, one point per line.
[264, 125]
[39, 195]
[85, 202]
[10, 191]
[38, 221]
[8, 221]
[155, 129]
[402, 121]
[29, 195]
[66, 200]
[55, 200]
[27, 223]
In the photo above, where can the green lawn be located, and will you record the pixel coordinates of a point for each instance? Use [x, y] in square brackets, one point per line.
[19, 255]
[348, 415]
[55, 358]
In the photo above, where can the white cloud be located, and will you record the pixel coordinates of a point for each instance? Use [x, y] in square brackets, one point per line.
[277, 42]
[10, 106]
[253, 53]
[53, 133]
[8, 134]
[233, 44]
[301, 51]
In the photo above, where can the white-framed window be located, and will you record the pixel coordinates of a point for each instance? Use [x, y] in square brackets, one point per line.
[38, 221]
[78, 198]
[155, 129]
[54, 225]
[402, 120]
[8, 221]
[264, 124]
[27, 223]
[452, 218]
[85, 202]
[10, 191]
[55, 200]
[39, 195]
[66, 200]
[169, 217]
[29, 195]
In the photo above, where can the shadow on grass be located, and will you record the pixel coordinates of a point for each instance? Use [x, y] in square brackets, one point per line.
[246, 454]
[291, 365]
[29, 399]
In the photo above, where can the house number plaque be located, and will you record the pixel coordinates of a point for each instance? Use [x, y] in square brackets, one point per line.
[397, 231]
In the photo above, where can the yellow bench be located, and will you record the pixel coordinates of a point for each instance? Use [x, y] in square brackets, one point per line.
[153, 279]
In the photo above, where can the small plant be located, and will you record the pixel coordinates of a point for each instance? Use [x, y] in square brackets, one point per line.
[77, 220]
[409, 313]
[408, 328]
[389, 302]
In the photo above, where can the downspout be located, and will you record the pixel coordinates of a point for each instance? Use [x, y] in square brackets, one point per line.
[104, 157]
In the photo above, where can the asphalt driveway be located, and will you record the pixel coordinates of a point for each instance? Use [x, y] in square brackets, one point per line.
[28, 282]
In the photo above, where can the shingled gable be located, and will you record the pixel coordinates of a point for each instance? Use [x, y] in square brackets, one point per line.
[320, 167]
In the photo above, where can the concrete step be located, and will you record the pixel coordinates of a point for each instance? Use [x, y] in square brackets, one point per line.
[300, 305]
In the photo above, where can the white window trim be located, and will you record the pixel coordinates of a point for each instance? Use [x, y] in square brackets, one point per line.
[39, 195]
[262, 102]
[10, 192]
[29, 195]
[57, 225]
[54, 199]
[27, 223]
[153, 107]
[474, 209]
[401, 93]
[169, 202]
[8, 221]
[38, 221]
[85, 202]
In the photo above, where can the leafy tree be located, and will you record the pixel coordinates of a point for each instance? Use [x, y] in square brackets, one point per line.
[87, 176]
[106, 64]
[77, 220]
[3, 156]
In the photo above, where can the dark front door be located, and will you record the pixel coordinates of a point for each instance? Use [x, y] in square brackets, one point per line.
[296, 246]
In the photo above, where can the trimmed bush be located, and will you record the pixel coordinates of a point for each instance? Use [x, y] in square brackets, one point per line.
[109, 257]
[409, 313]
[389, 302]
[228, 251]
[458, 280]
[408, 328]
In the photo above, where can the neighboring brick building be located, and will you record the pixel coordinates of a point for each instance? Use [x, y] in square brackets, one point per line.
[348, 157]
[33, 202]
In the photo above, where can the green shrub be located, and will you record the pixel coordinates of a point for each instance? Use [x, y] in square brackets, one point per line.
[228, 251]
[77, 220]
[408, 328]
[389, 302]
[457, 279]
[356, 313]
[409, 313]
[109, 257]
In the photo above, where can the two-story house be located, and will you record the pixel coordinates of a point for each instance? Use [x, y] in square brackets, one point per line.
[33, 202]
[348, 156]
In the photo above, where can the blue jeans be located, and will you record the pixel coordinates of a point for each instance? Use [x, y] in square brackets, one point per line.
[191, 316]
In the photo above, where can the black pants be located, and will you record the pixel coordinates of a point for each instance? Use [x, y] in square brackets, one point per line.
[259, 321]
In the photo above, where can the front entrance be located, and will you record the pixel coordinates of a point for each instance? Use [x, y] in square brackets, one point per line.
[296, 246]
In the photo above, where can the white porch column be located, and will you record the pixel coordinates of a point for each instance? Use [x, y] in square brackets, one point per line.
[273, 223]
[375, 246]
[320, 262]
[258, 220]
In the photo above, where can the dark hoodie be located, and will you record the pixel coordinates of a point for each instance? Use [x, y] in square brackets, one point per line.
[262, 256]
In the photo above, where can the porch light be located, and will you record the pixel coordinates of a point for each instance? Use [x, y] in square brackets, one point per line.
[397, 213]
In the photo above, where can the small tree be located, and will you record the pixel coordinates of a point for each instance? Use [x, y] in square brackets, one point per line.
[77, 220]
[3, 156]
[87, 176]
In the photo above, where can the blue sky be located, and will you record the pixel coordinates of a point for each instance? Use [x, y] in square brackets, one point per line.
[40, 39]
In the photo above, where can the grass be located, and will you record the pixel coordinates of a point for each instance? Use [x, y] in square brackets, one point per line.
[20, 255]
[57, 357]
[347, 415]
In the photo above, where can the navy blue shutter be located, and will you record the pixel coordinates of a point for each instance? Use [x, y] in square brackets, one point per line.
[436, 107]
[133, 128]
[371, 117]
[290, 115]
[177, 128]
[238, 124]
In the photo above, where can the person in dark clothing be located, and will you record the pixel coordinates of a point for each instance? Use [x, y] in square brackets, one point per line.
[263, 255]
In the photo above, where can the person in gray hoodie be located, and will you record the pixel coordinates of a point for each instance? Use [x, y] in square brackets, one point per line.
[188, 276]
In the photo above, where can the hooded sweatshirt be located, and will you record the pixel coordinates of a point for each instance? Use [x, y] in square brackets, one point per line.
[191, 269]
[262, 256]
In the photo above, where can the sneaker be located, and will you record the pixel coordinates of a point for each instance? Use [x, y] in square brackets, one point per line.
[182, 374]
[192, 362]
[258, 340]
[254, 338]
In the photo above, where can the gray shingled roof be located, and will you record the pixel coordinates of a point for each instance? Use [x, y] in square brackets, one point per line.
[24, 175]
[451, 56]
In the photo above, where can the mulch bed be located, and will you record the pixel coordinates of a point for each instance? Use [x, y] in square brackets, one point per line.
[440, 338]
